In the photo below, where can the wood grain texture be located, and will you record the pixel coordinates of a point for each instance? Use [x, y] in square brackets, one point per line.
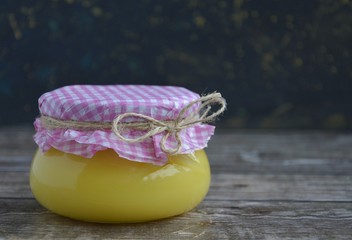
[24, 218]
[265, 185]
[234, 187]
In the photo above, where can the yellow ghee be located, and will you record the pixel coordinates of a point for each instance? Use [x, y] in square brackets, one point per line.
[108, 188]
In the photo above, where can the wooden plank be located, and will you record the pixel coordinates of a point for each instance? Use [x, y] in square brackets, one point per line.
[17, 137]
[15, 185]
[16, 148]
[24, 218]
[241, 162]
[281, 152]
[281, 187]
[240, 152]
[292, 143]
[235, 187]
[19, 163]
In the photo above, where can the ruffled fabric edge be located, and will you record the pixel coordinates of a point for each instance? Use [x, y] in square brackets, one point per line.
[87, 143]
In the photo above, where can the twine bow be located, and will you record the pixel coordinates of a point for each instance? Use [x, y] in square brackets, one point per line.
[149, 124]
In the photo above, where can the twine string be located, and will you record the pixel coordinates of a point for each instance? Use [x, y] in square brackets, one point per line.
[150, 125]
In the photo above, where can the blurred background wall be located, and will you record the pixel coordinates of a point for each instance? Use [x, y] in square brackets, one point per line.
[280, 64]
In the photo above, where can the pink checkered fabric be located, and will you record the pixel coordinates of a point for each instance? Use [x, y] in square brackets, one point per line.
[102, 104]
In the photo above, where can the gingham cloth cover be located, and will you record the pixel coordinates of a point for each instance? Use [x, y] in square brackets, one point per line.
[103, 104]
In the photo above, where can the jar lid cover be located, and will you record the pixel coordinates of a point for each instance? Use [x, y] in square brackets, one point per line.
[102, 104]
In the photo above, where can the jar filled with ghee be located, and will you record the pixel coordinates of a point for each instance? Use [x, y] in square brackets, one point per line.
[122, 153]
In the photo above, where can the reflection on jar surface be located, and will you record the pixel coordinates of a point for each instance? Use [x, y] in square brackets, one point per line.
[108, 188]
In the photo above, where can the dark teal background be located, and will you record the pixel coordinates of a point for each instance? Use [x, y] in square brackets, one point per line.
[280, 64]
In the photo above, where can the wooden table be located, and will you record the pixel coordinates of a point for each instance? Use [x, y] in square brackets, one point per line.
[265, 185]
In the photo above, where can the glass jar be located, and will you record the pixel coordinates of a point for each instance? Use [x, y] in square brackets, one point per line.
[108, 188]
[122, 153]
